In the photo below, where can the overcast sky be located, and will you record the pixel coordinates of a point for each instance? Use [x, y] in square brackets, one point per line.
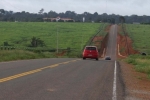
[121, 7]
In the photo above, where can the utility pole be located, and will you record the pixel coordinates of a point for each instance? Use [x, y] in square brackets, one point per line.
[57, 19]
[82, 41]
[57, 38]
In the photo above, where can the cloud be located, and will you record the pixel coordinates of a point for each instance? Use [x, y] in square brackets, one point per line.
[122, 7]
[140, 2]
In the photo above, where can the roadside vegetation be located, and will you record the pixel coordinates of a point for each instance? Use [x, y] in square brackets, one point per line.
[141, 42]
[30, 40]
[141, 63]
[140, 36]
[22, 54]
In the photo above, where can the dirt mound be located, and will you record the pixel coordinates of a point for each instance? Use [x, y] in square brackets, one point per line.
[103, 47]
[107, 29]
[97, 41]
[124, 44]
[97, 38]
[101, 42]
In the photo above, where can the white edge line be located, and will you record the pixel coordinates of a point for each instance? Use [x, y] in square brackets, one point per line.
[114, 83]
[119, 52]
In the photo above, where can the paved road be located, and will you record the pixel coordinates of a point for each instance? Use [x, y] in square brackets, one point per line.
[112, 43]
[62, 78]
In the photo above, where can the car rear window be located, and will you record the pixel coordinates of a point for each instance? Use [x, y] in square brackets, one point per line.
[90, 48]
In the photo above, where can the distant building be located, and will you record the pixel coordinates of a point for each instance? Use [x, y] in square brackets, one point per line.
[58, 19]
[83, 19]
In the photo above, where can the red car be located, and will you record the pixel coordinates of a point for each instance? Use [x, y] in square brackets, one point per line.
[90, 52]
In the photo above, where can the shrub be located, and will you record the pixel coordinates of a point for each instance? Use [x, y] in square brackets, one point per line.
[131, 61]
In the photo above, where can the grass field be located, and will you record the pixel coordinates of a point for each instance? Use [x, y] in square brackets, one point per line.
[69, 35]
[72, 35]
[140, 35]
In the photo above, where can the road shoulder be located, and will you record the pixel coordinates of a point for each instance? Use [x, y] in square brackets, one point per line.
[137, 86]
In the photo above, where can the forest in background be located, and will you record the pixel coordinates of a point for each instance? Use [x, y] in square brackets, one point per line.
[10, 16]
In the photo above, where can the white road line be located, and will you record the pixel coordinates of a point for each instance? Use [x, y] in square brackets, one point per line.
[115, 83]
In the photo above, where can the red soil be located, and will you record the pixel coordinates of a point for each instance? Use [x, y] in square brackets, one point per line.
[124, 44]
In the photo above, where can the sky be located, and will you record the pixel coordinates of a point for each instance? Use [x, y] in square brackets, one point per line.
[118, 7]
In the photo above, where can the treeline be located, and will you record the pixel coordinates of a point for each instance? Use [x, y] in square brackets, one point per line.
[23, 16]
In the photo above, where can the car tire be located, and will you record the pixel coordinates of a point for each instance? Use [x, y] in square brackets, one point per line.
[96, 58]
[84, 58]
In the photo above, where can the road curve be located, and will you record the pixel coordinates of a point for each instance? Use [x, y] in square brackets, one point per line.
[63, 78]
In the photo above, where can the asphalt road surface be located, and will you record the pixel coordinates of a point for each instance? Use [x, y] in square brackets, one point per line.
[63, 78]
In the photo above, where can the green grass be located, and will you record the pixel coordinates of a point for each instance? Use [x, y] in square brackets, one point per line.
[73, 35]
[141, 63]
[135, 59]
[140, 34]
[70, 35]
[22, 54]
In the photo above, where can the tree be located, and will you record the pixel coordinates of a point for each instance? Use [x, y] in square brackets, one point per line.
[11, 19]
[35, 42]
[95, 14]
[26, 16]
[6, 44]
[112, 20]
[2, 11]
[70, 14]
[10, 12]
[41, 11]
[122, 19]
[52, 14]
